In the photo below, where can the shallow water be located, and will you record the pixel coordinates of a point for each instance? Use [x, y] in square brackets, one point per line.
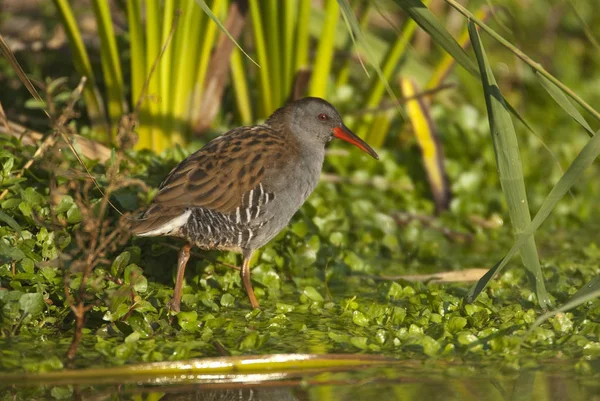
[398, 380]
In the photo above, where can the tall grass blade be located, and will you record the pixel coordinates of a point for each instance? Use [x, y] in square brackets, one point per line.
[286, 31]
[426, 20]
[212, 16]
[445, 66]
[325, 51]
[363, 20]
[584, 159]
[510, 169]
[207, 370]
[430, 24]
[302, 34]
[93, 99]
[138, 70]
[209, 41]
[356, 31]
[378, 83]
[266, 93]
[111, 64]
[592, 291]
[18, 70]
[165, 69]
[380, 126]
[240, 87]
[185, 68]
[153, 32]
[536, 66]
[586, 28]
[136, 48]
[272, 20]
[429, 143]
[563, 101]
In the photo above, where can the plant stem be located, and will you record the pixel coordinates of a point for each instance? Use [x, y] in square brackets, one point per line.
[536, 66]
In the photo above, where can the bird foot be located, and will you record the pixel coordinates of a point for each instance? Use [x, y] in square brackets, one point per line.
[173, 305]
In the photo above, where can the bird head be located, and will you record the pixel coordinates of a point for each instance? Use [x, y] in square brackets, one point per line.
[315, 120]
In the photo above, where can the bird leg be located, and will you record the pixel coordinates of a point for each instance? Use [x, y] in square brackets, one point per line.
[184, 256]
[245, 273]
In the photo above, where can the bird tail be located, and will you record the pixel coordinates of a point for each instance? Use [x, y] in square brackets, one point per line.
[157, 221]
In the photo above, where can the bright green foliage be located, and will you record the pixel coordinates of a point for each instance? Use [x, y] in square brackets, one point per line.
[316, 281]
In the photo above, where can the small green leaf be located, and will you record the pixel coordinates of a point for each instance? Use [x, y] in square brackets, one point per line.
[10, 253]
[32, 304]
[134, 276]
[35, 104]
[312, 294]
[227, 300]
[456, 324]
[119, 264]
[360, 319]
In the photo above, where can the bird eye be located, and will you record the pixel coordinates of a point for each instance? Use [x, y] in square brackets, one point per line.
[323, 117]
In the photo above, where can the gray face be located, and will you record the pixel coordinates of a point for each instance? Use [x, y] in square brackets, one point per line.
[314, 119]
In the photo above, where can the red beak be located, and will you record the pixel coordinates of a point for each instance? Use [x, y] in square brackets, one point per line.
[345, 134]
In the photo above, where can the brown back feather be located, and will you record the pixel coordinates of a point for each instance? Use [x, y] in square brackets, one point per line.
[219, 175]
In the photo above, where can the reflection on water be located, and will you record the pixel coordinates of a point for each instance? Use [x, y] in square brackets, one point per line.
[273, 394]
[368, 384]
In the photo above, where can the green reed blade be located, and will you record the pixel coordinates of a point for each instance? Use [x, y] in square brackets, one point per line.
[587, 293]
[209, 40]
[187, 40]
[259, 29]
[286, 30]
[207, 10]
[111, 64]
[563, 101]
[325, 51]
[302, 34]
[153, 31]
[165, 68]
[344, 73]
[430, 24]
[239, 80]
[93, 99]
[509, 166]
[138, 71]
[272, 20]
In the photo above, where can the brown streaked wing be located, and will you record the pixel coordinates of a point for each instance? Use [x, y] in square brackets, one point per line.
[218, 176]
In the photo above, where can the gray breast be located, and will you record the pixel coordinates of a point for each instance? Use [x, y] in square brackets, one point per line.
[291, 186]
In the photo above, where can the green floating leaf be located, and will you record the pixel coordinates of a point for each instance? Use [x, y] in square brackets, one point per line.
[360, 319]
[227, 300]
[561, 99]
[313, 294]
[510, 170]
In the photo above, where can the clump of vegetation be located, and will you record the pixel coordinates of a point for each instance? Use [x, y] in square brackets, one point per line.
[346, 275]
